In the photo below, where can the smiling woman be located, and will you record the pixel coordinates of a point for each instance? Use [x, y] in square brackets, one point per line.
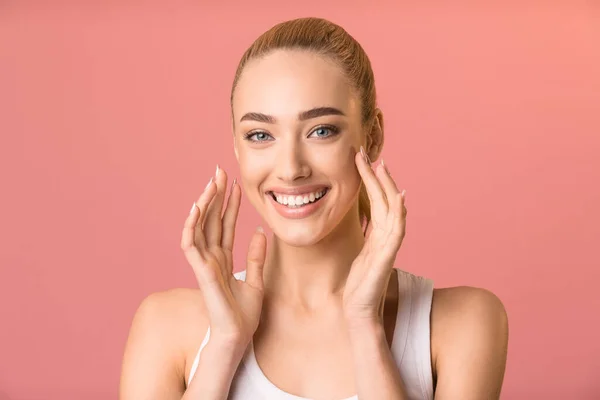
[323, 312]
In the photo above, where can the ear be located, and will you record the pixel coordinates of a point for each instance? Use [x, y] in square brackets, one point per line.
[375, 136]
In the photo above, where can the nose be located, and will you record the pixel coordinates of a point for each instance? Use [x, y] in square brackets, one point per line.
[291, 161]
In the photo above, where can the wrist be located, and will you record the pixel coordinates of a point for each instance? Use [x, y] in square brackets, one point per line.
[233, 348]
[216, 369]
[371, 326]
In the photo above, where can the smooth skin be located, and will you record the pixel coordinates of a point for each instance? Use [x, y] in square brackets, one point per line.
[344, 320]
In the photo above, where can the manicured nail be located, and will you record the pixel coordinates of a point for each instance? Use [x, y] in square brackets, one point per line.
[384, 167]
[404, 194]
[217, 173]
[193, 206]
[260, 229]
[234, 182]
[364, 154]
[209, 182]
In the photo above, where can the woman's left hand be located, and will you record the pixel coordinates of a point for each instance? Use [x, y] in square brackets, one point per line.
[367, 281]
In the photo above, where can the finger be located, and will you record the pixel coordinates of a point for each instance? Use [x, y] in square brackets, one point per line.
[374, 189]
[230, 217]
[191, 252]
[257, 252]
[203, 203]
[192, 235]
[212, 226]
[387, 182]
[399, 224]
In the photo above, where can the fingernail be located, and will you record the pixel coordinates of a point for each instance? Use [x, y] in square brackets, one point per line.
[260, 229]
[193, 206]
[217, 173]
[364, 154]
[209, 182]
[234, 182]
[404, 194]
[384, 167]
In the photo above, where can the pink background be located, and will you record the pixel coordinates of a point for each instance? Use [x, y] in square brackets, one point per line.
[112, 121]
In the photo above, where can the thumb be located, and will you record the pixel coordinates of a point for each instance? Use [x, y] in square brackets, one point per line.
[257, 252]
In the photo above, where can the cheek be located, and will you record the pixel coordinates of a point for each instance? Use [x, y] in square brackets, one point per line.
[340, 164]
[253, 169]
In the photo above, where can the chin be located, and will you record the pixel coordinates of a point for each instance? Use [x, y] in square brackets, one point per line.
[298, 234]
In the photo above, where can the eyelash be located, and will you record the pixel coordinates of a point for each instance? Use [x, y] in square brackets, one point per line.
[334, 130]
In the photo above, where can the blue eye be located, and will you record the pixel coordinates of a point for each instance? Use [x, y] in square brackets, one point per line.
[257, 136]
[325, 131]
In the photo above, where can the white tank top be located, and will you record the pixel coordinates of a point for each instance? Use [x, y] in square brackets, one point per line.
[410, 349]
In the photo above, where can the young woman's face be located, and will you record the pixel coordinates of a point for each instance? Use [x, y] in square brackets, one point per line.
[297, 129]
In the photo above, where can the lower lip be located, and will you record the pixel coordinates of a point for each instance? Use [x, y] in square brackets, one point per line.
[296, 212]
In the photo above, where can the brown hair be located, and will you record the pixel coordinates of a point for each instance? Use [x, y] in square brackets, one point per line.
[332, 41]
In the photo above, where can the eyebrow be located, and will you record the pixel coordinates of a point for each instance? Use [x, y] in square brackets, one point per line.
[303, 116]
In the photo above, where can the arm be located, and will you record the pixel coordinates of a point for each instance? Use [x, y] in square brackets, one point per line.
[216, 368]
[376, 373]
[233, 306]
[469, 343]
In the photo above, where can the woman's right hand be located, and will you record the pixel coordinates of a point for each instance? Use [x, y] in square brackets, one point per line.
[234, 306]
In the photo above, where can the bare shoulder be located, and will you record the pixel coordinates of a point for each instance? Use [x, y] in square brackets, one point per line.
[466, 304]
[464, 311]
[172, 305]
[469, 332]
[165, 331]
[177, 315]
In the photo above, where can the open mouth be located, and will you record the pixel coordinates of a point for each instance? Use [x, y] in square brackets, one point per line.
[298, 201]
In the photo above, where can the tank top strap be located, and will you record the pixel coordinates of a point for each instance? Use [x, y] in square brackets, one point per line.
[197, 358]
[411, 346]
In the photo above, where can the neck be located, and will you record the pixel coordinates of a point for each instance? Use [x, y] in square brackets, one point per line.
[313, 276]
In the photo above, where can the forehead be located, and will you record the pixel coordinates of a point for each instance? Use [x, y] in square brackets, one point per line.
[286, 82]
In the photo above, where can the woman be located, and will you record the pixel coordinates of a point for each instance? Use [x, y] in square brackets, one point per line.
[322, 313]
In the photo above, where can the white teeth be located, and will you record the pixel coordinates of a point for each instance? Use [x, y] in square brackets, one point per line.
[297, 201]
